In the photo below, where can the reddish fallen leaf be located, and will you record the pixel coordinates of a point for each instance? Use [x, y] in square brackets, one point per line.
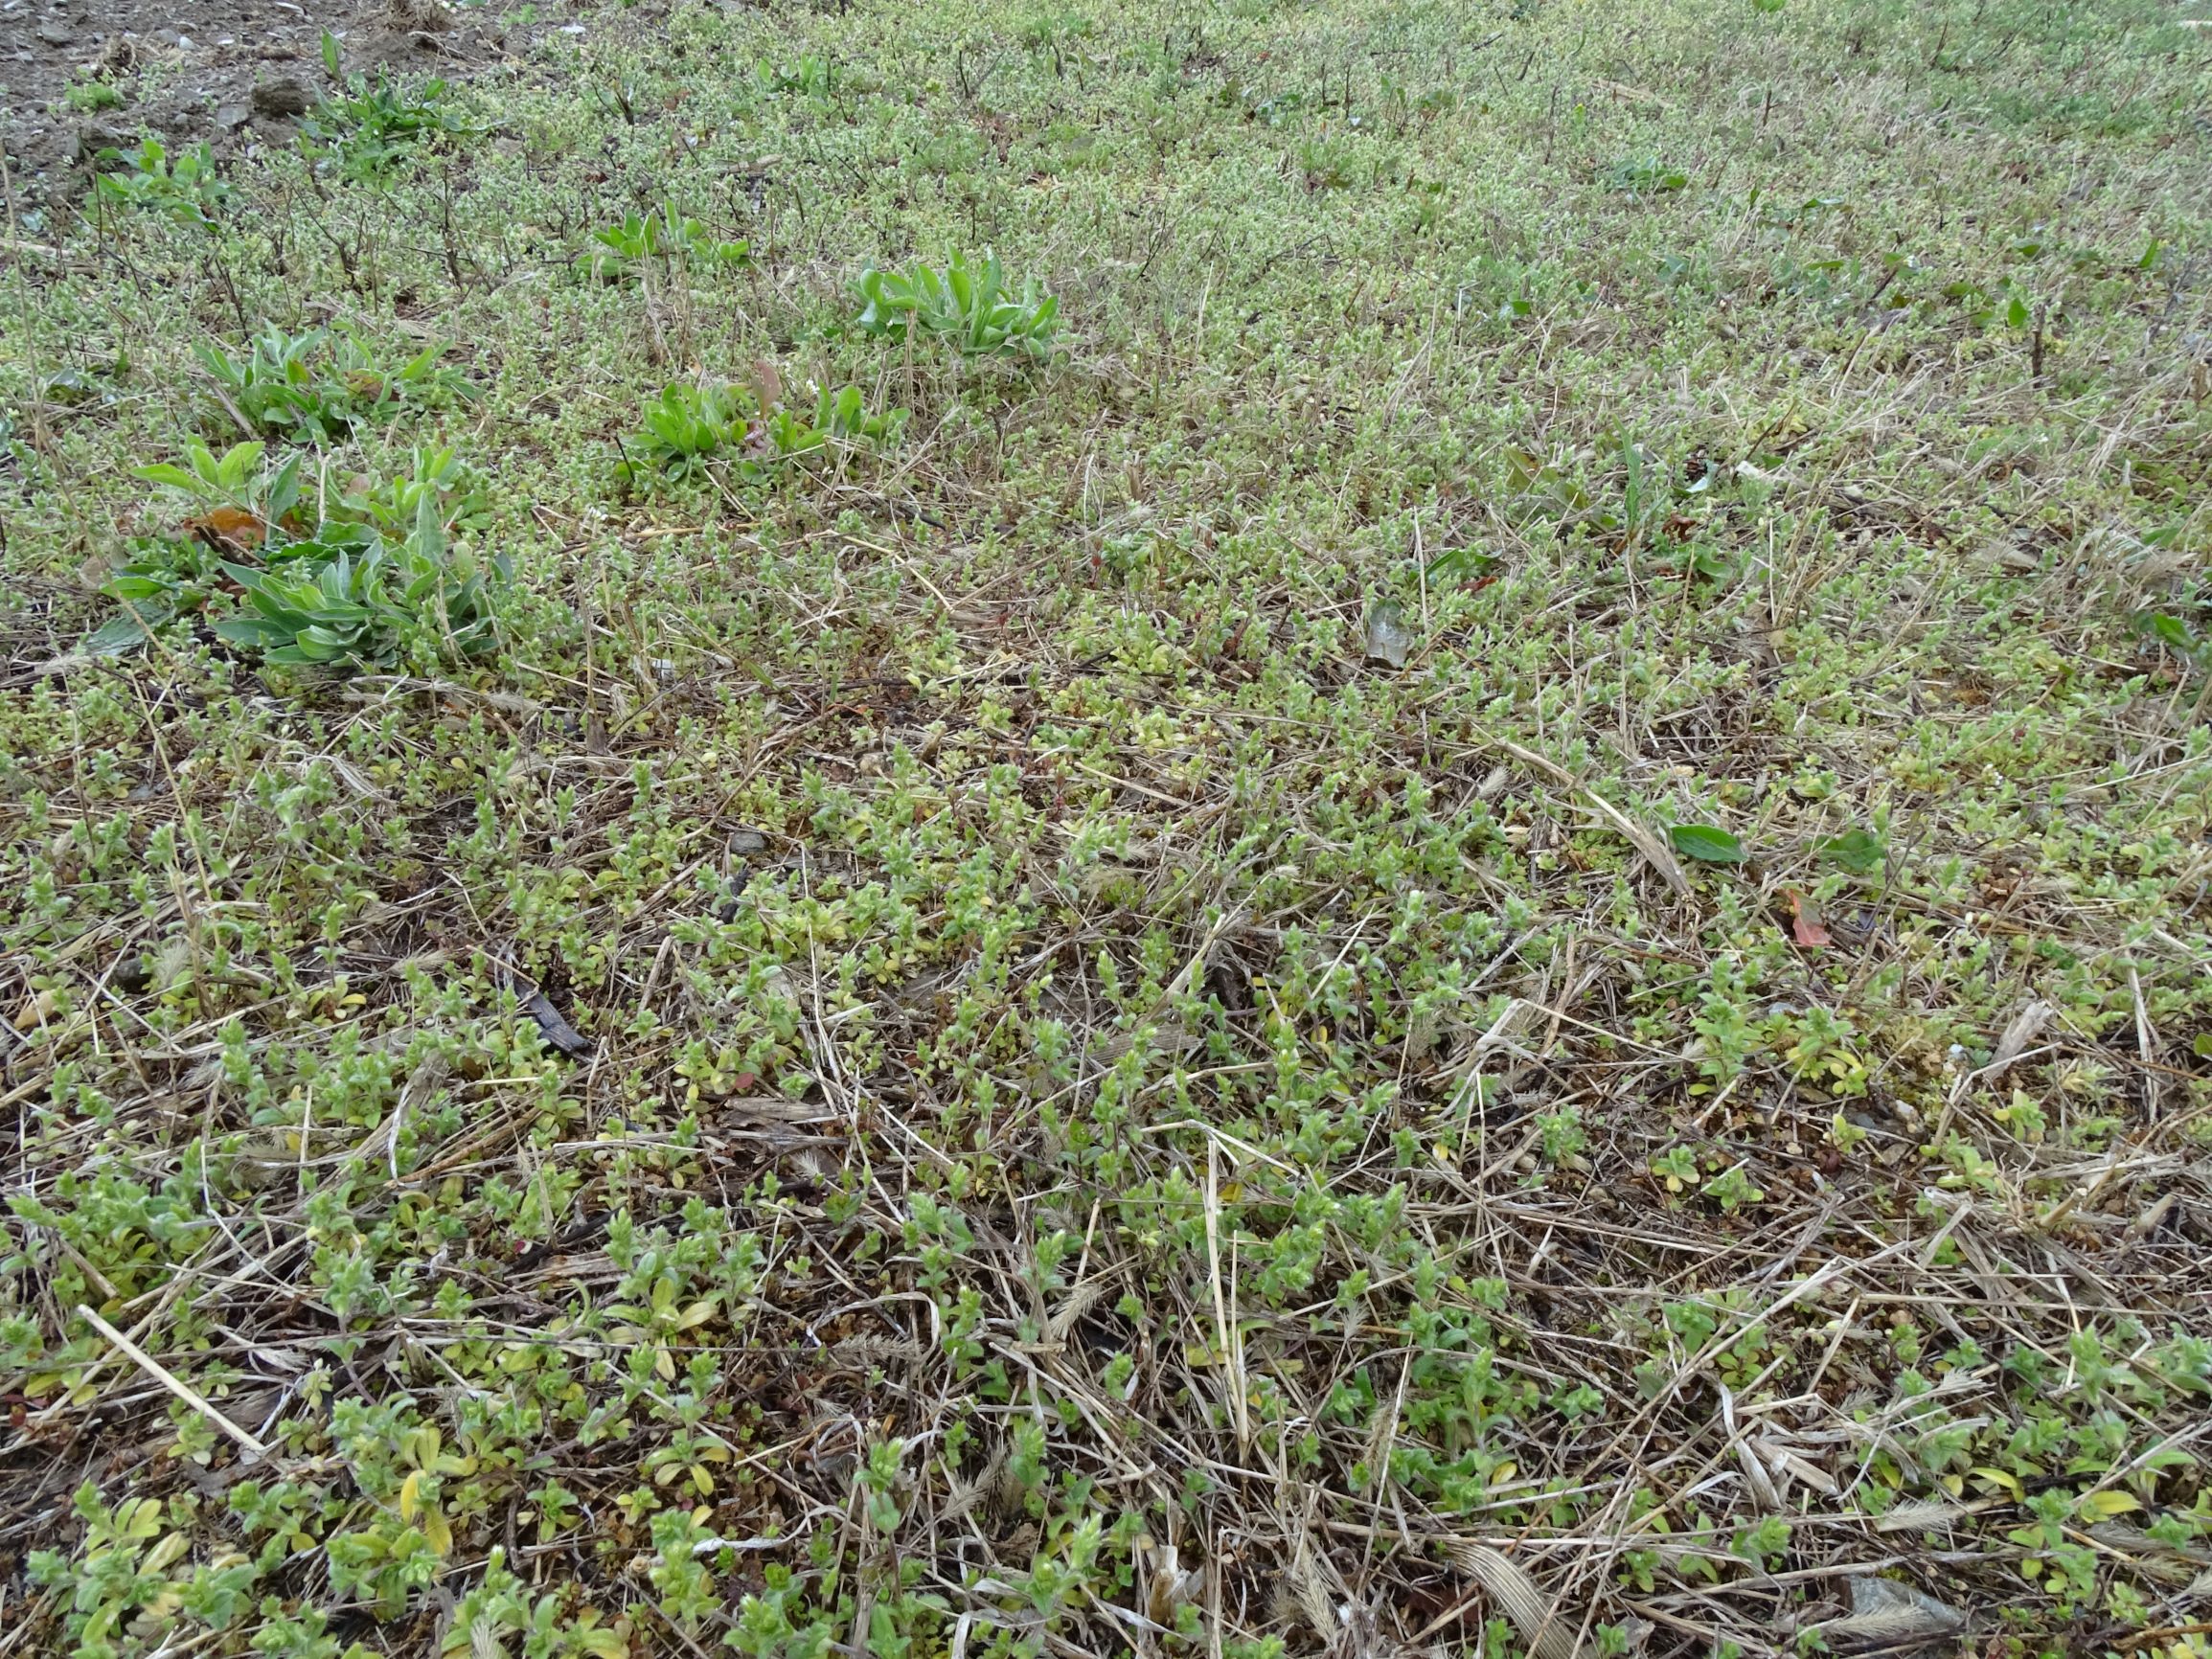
[1804, 920]
[231, 527]
[744, 1084]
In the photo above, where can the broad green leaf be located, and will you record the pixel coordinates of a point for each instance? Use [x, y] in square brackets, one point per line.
[1706, 843]
[1858, 850]
[128, 631]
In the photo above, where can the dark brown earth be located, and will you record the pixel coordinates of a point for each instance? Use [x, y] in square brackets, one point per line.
[235, 74]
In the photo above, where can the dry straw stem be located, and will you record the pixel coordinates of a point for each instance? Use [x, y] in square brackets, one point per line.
[155, 1369]
[1545, 1624]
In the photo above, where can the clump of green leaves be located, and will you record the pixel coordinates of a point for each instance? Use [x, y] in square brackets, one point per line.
[811, 75]
[352, 597]
[1647, 177]
[238, 479]
[840, 417]
[689, 426]
[320, 385]
[377, 582]
[187, 190]
[438, 477]
[91, 96]
[967, 303]
[130, 1578]
[626, 250]
[374, 124]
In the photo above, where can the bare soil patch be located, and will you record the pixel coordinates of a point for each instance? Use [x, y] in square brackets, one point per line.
[235, 74]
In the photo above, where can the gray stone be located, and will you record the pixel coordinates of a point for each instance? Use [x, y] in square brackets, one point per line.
[280, 98]
[91, 137]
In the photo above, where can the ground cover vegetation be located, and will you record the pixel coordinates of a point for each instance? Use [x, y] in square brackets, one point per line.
[1220, 830]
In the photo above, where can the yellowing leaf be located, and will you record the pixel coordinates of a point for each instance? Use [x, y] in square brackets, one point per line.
[2105, 1505]
[410, 1495]
[1999, 1478]
[440, 1534]
[698, 1313]
[165, 1552]
[138, 1519]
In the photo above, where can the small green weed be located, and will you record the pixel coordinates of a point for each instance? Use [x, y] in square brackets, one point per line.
[840, 417]
[687, 426]
[318, 386]
[460, 495]
[625, 250]
[92, 96]
[238, 479]
[188, 189]
[968, 302]
[374, 124]
[376, 581]
[2179, 634]
[810, 75]
[1645, 178]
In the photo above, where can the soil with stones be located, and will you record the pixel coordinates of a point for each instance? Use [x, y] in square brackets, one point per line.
[77, 77]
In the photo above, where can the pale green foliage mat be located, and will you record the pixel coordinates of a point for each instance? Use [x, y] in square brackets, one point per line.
[1370, 827]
